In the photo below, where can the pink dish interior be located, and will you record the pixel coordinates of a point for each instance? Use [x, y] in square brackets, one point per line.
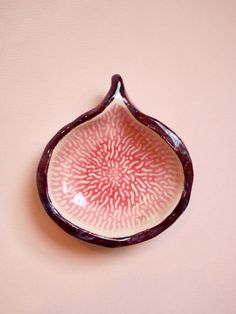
[113, 176]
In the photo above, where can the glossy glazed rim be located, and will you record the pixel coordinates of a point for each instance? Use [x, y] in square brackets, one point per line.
[117, 86]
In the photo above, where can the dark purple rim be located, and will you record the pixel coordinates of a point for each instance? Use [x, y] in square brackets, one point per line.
[167, 134]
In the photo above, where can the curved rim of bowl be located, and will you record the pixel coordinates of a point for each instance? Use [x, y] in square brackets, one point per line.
[166, 133]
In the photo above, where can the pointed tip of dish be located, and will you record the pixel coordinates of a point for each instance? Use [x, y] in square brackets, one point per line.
[116, 78]
[117, 84]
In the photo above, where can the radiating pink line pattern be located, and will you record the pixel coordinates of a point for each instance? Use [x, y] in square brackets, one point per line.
[114, 176]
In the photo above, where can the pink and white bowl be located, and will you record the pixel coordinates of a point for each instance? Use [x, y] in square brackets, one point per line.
[115, 176]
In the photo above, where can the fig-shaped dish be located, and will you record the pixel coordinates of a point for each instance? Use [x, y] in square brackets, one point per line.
[115, 176]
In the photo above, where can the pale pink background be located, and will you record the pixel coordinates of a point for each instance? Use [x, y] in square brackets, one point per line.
[178, 60]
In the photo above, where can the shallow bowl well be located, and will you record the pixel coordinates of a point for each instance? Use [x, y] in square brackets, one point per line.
[115, 176]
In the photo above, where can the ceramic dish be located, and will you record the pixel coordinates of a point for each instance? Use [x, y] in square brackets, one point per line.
[115, 176]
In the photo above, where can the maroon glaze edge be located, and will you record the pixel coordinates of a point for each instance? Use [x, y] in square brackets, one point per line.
[167, 134]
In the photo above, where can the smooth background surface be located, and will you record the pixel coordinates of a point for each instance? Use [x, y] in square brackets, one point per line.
[178, 60]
